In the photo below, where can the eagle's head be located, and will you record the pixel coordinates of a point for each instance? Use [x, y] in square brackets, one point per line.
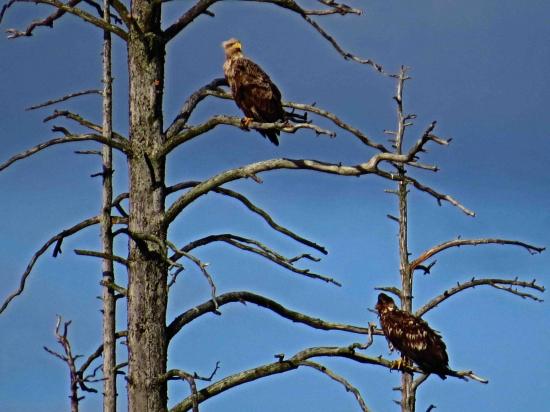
[231, 47]
[384, 304]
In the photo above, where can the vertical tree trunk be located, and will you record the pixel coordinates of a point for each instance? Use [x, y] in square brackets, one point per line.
[109, 301]
[147, 290]
[408, 401]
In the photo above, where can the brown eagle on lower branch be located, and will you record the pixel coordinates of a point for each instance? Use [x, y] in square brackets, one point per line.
[413, 338]
[252, 89]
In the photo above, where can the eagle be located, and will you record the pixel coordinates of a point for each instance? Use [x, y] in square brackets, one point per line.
[253, 91]
[413, 337]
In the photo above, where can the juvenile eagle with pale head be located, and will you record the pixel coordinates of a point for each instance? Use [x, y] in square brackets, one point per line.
[412, 336]
[252, 89]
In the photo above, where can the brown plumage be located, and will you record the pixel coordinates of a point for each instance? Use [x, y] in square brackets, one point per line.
[252, 89]
[413, 337]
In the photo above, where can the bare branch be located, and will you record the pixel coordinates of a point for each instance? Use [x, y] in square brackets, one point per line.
[57, 239]
[187, 18]
[501, 284]
[76, 379]
[257, 248]
[370, 167]
[244, 296]
[472, 242]
[115, 258]
[65, 98]
[181, 119]
[82, 121]
[348, 386]
[312, 108]
[62, 8]
[115, 143]
[423, 188]
[338, 122]
[202, 267]
[280, 366]
[194, 131]
[97, 354]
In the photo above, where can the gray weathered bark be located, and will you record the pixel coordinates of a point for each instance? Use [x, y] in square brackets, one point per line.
[109, 301]
[147, 290]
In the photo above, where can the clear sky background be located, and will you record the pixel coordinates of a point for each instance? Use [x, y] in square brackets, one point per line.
[479, 68]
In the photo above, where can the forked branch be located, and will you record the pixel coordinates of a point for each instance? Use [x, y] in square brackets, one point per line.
[76, 379]
[280, 366]
[114, 143]
[507, 285]
[62, 8]
[200, 129]
[472, 242]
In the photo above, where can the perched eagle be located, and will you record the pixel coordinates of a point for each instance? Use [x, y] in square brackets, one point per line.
[413, 338]
[252, 89]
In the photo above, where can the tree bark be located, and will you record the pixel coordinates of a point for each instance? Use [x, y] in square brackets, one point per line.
[109, 301]
[147, 270]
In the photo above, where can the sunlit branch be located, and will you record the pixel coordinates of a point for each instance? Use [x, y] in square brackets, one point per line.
[250, 171]
[243, 297]
[191, 132]
[280, 366]
[318, 111]
[472, 242]
[115, 143]
[501, 284]
[81, 121]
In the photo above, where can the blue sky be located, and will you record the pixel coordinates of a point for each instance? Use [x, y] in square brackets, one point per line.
[479, 69]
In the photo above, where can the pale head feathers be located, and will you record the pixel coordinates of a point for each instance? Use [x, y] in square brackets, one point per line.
[231, 47]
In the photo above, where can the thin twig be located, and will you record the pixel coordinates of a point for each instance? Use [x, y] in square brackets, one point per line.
[65, 98]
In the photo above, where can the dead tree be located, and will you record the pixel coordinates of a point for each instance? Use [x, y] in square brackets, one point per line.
[152, 260]
[408, 267]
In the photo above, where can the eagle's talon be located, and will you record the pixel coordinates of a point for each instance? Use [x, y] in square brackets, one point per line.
[245, 122]
[398, 364]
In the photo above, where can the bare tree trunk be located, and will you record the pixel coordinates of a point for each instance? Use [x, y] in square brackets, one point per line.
[109, 301]
[407, 392]
[147, 270]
